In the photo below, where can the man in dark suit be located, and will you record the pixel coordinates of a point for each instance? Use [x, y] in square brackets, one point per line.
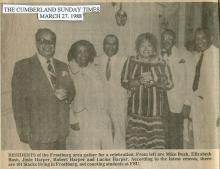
[41, 92]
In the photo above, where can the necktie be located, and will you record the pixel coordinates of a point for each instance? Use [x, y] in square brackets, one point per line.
[197, 75]
[52, 73]
[108, 69]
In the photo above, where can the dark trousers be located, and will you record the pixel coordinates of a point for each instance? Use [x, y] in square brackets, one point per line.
[175, 131]
[60, 144]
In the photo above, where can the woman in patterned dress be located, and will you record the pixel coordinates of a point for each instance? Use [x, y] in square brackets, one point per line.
[147, 78]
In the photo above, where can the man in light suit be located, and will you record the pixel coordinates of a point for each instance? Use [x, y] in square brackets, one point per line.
[41, 93]
[178, 60]
[205, 87]
[110, 66]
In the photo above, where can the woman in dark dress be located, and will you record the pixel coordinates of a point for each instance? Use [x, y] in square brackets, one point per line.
[147, 78]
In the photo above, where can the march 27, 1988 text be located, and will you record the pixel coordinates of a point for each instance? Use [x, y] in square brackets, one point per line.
[60, 16]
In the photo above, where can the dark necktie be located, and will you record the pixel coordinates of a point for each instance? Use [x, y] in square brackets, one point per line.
[197, 75]
[52, 73]
[108, 69]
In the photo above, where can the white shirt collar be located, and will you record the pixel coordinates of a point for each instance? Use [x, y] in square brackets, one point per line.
[43, 60]
[44, 65]
[206, 51]
[112, 57]
[174, 51]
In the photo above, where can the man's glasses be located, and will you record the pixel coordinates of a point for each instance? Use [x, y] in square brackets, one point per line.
[46, 42]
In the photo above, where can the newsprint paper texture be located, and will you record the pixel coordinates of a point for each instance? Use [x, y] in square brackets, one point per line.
[103, 84]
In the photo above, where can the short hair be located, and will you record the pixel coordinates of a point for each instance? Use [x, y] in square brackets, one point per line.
[146, 36]
[42, 31]
[169, 32]
[206, 31]
[110, 36]
[90, 47]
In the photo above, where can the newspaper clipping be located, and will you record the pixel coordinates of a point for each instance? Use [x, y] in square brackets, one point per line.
[116, 85]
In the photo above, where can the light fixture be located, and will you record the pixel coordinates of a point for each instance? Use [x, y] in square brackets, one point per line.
[121, 16]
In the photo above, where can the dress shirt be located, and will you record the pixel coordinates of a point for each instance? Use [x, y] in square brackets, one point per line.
[116, 93]
[44, 65]
[117, 63]
[209, 69]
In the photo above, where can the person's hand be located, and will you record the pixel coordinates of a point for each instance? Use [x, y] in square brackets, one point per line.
[146, 79]
[133, 84]
[24, 137]
[143, 80]
[186, 111]
[163, 82]
[61, 94]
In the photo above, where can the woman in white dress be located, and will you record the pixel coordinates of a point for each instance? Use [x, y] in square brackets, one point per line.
[90, 124]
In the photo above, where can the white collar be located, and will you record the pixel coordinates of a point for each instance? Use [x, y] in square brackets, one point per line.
[43, 60]
[206, 51]
[112, 57]
[174, 51]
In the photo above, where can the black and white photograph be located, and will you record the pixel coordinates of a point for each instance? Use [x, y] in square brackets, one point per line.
[134, 75]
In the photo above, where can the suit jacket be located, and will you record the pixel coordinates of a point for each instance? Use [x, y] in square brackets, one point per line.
[179, 62]
[205, 100]
[39, 115]
[116, 95]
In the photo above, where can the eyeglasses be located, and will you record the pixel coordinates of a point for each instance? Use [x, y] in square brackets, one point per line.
[46, 42]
